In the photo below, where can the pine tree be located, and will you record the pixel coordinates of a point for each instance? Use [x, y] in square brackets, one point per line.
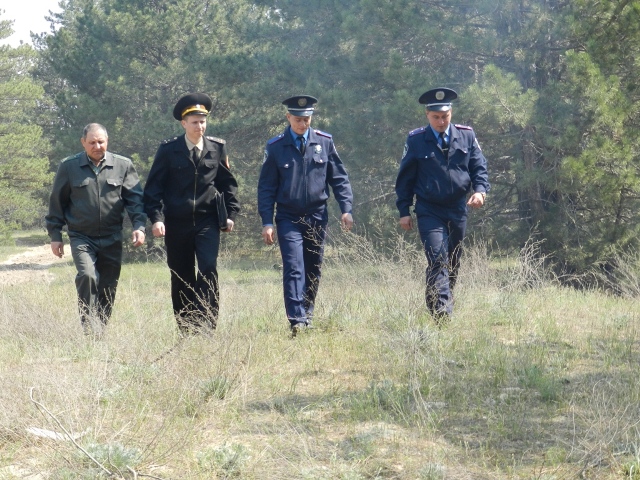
[24, 166]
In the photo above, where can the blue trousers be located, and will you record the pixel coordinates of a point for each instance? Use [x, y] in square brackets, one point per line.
[442, 233]
[301, 243]
[98, 261]
[194, 289]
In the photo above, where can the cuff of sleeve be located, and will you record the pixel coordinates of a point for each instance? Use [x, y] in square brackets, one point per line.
[56, 236]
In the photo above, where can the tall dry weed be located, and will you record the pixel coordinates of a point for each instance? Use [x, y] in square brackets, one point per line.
[530, 379]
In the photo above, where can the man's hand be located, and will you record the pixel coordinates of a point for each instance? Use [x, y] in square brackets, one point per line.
[476, 200]
[230, 225]
[267, 234]
[57, 248]
[158, 229]
[347, 221]
[137, 237]
[406, 223]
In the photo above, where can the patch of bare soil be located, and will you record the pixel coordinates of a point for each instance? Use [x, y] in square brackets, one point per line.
[29, 266]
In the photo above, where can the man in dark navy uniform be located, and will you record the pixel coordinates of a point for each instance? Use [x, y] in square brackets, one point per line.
[299, 166]
[443, 168]
[190, 196]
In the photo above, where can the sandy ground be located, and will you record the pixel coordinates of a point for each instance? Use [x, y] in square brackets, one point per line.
[30, 266]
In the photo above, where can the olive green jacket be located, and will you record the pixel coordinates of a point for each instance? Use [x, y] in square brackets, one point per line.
[91, 204]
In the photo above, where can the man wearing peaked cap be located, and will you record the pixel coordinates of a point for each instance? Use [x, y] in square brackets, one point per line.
[299, 167]
[301, 105]
[442, 173]
[438, 99]
[192, 104]
[190, 196]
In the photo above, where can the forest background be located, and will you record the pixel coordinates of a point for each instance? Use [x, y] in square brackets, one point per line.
[533, 379]
[550, 87]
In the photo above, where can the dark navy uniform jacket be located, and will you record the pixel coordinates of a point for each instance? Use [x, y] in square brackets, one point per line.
[176, 189]
[300, 186]
[438, 181]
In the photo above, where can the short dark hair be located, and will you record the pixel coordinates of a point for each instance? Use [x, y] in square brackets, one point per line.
[90, 127]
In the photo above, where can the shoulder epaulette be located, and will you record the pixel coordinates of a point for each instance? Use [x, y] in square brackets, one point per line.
[71, 157]
[463, 127]
[216, 139]
[275, 139]
[322, 134]
[417, 131]
[117, 155]
[169, 140]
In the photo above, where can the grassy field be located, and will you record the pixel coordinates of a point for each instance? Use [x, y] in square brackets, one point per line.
[530, 380]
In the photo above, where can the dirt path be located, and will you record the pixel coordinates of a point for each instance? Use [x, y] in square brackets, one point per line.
[30, 266]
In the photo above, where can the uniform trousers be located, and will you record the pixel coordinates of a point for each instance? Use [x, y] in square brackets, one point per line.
[98, 262]
[442, 232]
[194, 291]
[301, 241]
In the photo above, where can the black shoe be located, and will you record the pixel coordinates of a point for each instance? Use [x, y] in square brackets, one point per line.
[296, 328]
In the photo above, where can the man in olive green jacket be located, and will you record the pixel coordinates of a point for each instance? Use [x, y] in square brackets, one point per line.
[90, 194]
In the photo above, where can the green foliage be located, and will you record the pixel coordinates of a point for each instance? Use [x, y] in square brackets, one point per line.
[216, 388]
[383, 400]
[432, 472]
[112, 456]
[631, 470]
[554, 101]
[534, 377]
[24, 167]
[226, 461]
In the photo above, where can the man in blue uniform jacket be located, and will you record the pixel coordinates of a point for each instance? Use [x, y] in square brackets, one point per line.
[443, 168]
[298, 168]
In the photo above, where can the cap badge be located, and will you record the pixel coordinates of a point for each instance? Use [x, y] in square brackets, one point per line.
[302, 102]
[439, 95]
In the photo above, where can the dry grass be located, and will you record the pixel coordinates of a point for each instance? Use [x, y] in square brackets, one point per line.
[529, 381]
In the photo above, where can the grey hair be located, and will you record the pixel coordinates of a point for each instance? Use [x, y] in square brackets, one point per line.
[91, 127]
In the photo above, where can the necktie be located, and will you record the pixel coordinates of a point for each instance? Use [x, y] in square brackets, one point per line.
[443, 143]
[302, 147]
[194, 156]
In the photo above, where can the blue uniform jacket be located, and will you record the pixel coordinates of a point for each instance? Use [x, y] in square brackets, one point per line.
[426, 174]
[300, 186]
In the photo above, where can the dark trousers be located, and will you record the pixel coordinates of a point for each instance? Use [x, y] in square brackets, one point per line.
[98, 261]
[194, 291]
[301, 243]
[442, 233]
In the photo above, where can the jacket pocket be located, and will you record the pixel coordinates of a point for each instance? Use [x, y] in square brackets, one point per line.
[114, 182]
[113, 189]
[81, 182]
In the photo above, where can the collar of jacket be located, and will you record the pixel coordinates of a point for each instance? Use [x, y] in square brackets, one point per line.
[108, 159]
[311, 140]
[181, 146]
[454, 134]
